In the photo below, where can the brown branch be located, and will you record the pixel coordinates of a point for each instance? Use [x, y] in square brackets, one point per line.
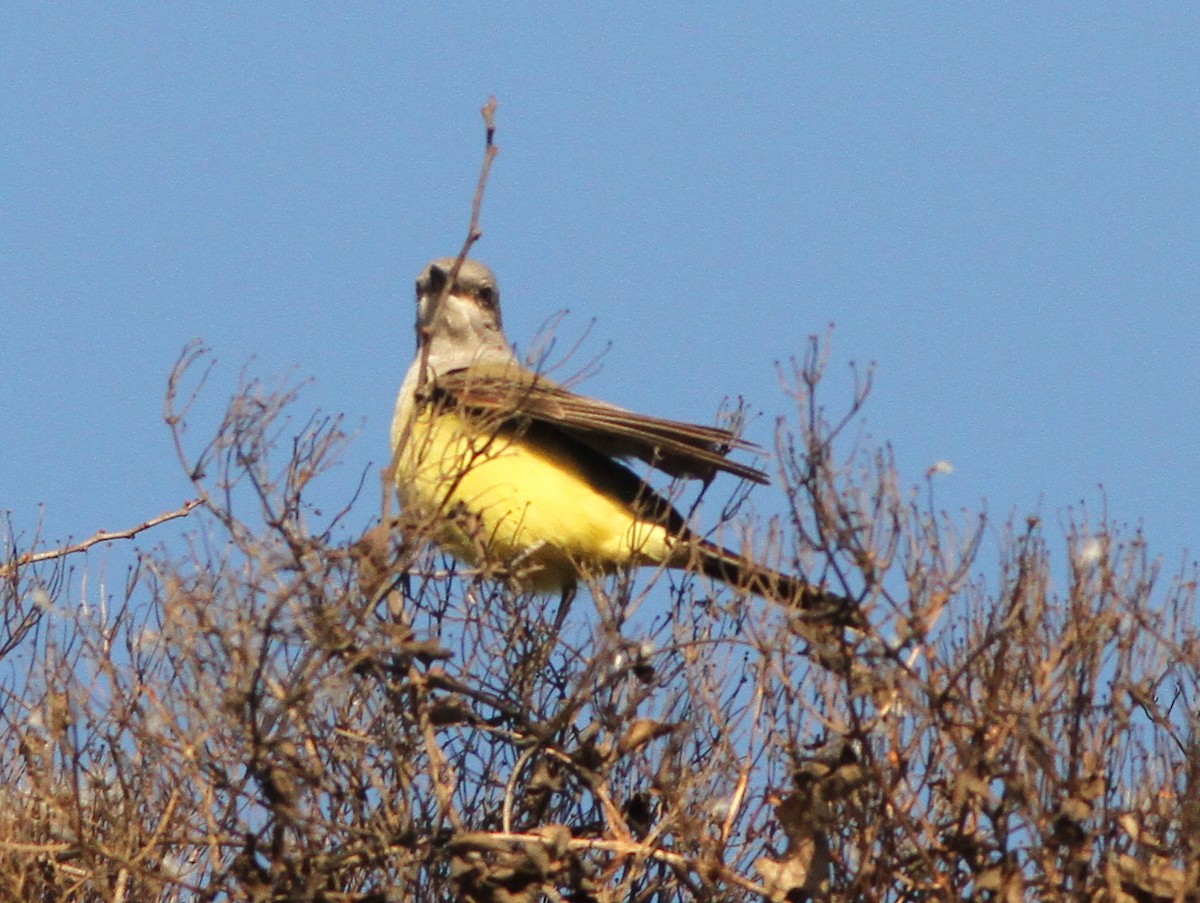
[473, 235]
[473, 231]
[11, 567]
[494, 840]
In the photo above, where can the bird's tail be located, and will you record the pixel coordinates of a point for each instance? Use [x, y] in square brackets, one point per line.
[790, 590]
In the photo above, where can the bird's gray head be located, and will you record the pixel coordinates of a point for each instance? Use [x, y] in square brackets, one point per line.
[464, 319]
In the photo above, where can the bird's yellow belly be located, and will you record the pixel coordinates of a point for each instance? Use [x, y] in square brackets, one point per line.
[506, 499]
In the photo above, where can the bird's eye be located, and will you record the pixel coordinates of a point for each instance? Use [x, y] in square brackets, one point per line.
[487, 296]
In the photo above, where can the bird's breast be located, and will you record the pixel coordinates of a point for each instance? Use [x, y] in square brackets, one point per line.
[496, 493]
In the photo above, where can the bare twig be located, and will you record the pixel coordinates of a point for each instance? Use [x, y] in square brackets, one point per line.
[473, 231]
[493, 840]
[8, 569]
[473, 235]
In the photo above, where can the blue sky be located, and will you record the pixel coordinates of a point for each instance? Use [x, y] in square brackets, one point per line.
[997, 205]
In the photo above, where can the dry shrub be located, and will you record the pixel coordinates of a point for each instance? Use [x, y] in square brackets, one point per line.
[271, 709]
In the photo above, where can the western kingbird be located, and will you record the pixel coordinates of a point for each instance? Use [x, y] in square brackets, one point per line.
[512, 468]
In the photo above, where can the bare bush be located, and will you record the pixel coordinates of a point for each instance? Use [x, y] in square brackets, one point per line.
[271, 711]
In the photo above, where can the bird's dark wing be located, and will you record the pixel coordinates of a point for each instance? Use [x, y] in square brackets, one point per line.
[510, 392]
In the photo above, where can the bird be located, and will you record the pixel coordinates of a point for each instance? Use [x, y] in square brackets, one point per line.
[510, 468]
